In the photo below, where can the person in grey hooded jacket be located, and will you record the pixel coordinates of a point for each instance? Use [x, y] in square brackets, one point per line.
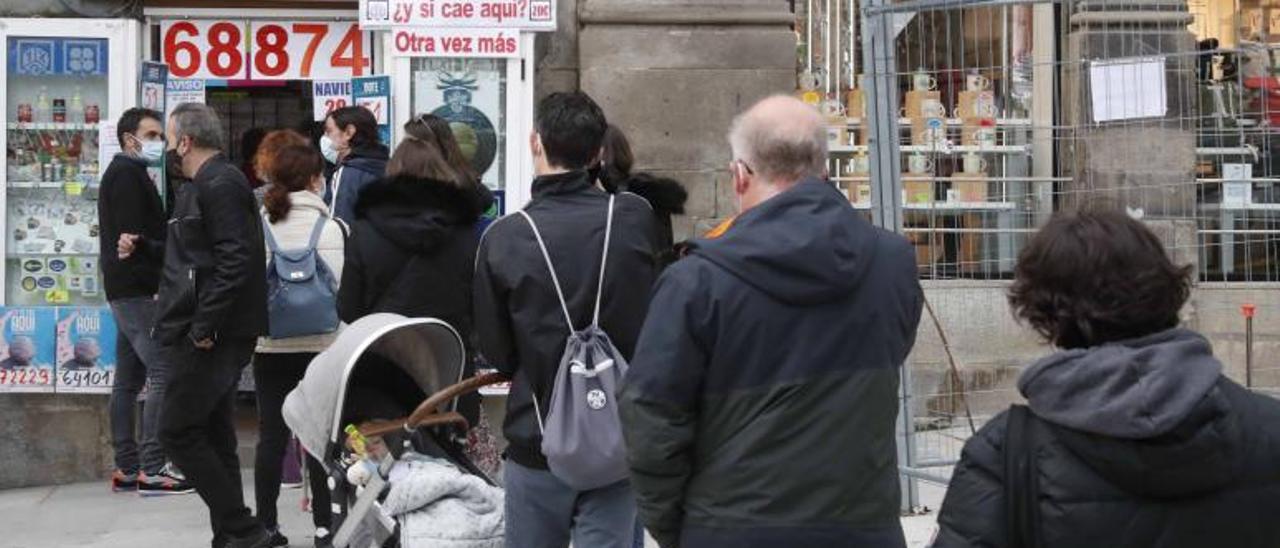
[1134, 437]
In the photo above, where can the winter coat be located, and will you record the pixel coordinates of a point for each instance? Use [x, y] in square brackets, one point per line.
[667, 197]
[759, 410]
[518, 316]
[129, 203]
[439, 506]
[1137, 443]
[360, 168]
[214, 282]
[294, 232]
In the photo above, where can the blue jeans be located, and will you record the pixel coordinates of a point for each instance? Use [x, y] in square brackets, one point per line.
[138, 362]
[543, 512]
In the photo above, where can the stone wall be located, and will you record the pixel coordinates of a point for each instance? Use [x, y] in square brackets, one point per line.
[53, 438]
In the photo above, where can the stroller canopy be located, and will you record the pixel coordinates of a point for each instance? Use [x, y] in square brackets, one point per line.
[428, 350]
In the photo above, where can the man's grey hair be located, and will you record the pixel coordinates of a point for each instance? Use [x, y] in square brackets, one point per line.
[200, 123]
[781, 140]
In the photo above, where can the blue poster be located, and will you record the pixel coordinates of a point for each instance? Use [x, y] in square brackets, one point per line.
[86, 350]
[27, 349]
[374, 93]
[30, 56]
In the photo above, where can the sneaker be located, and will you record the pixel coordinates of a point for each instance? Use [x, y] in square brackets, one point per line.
[167, 482]
[323, 538]
[121, 482]
[258, 539]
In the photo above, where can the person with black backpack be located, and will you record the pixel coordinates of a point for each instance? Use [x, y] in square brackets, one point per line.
[1132, 435]
[305, 254]
[561, 290]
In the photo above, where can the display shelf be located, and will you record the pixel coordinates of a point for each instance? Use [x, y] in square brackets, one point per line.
[944, 150]
[1242, 207]
[45, 185]
[51, 126]
[952, 122]
[65, 253]
[951, 206]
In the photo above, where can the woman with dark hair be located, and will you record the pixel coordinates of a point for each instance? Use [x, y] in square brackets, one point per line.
[665, 196]
[435, 130]
[413, 246]
[291, 210]
[1132, 435]
[352, 144]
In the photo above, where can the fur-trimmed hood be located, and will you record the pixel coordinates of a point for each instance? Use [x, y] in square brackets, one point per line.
[416, 213]
[667, 196]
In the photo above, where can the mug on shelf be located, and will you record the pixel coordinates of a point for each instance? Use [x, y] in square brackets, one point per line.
[977, 82]
[922, 81]
[974, 163]
[919, 164]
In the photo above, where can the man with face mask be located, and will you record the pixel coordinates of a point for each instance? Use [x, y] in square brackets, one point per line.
[211, 308]
[129, 207]
[760, 407]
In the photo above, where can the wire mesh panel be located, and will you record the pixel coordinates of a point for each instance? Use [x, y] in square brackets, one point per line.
[965, 124]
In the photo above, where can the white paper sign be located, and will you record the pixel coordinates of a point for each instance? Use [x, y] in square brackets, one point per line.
[1237, 185]
[1125, 89]
[183, 91]
[108, 146]
[532, 15]
[456, 43]
[328, 96]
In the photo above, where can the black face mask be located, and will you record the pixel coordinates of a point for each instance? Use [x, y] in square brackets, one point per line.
[173, 166]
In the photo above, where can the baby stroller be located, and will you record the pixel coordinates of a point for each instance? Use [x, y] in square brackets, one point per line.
[400, 380]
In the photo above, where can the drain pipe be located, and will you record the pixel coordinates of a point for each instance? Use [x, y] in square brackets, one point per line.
[1248, 310]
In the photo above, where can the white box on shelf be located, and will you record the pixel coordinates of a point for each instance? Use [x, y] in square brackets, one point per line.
[1237, 185]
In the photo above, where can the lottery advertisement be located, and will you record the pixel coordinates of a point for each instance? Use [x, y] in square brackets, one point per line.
[467, 93]
[86, 350]
[27, 349]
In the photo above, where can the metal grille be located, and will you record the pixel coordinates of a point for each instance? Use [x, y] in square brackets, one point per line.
[964, 124]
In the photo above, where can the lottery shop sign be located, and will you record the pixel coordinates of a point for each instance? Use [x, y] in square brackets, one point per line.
[529, 15]
[456, 43]
[265, 50]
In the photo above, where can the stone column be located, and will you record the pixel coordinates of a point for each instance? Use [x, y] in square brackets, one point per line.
[673, 74]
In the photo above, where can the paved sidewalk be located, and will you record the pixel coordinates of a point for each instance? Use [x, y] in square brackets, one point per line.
[88, 515]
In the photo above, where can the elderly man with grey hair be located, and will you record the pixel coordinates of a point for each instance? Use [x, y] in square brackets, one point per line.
[210, 310]
[759, 410]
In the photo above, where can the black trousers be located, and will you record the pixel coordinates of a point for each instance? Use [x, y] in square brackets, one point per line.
[198, 431]
[274, 376]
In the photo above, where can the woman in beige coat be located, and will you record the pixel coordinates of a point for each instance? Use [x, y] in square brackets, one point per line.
[292, 206]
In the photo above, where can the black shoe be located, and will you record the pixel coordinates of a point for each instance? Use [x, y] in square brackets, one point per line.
[277, 539]
[323, 538]
[260, 538]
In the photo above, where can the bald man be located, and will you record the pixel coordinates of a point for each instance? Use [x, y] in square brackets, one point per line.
[759, 410]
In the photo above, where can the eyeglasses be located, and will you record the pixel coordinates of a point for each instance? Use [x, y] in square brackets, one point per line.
[426, 132]
[745, 166]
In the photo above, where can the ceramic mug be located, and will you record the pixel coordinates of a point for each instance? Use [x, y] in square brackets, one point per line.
[919, 163]
[832, 108]
[977, 82]
[932, 108]
[985, 136]
[921, 81]
[974, 163]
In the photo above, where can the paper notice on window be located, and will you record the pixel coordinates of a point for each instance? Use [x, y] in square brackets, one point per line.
[1127, 89]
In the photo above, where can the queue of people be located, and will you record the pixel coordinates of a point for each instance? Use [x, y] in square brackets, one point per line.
[758, 363]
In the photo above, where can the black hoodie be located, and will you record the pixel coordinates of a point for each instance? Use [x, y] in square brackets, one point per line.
[1139, 443]
[411, 252]
[759, 409]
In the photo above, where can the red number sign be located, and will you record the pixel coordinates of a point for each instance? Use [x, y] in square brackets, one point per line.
[265, 50]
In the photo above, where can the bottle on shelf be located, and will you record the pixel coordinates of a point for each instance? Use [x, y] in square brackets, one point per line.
[75, 109]
[42, 105]
[60, 111]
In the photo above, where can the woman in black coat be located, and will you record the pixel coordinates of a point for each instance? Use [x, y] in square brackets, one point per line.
[666, 196]
[1132, 437]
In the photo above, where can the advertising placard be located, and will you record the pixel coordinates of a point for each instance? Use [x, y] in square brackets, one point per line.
[328, 96]
[265, 50]
[374, 93]
[27, 349]
[86, 350]
[151, 93]
[178, 92]
[471, 100]
[531, 15]
[456, 43]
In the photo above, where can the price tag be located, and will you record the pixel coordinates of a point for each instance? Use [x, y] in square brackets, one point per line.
[328, 96]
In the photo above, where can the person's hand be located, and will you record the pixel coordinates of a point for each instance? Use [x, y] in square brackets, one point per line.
[127, 245]
[204, 344]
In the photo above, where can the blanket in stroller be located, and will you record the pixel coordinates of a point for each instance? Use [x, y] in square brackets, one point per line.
[440, 506]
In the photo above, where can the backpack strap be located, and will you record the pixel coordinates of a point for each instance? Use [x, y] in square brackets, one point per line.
[564, 307]
[604, 260]
[1020, 493]
[271, 239]
[317, 231]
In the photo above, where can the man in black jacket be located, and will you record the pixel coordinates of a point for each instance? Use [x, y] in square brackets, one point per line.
[759, 410]
[522, 327]
[211, 309]
[129, 203]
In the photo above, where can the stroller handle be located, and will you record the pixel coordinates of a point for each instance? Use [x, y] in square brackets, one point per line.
[427, 413]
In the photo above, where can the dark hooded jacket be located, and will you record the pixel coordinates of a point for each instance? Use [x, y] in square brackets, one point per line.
[359, 169]
[411, 252]
[1137, 443]
[667, 197]
[759, 410]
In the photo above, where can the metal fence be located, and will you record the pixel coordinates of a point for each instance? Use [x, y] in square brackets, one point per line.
[964, 124]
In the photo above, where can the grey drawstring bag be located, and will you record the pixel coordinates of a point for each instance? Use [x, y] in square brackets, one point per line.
[581, 435]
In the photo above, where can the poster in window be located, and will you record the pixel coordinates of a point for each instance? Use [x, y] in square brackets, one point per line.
[471, 100]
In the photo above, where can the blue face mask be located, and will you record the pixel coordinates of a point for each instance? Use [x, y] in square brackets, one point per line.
[152, 152]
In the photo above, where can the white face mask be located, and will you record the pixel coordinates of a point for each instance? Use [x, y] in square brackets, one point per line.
[326, 149]
[152, 152]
